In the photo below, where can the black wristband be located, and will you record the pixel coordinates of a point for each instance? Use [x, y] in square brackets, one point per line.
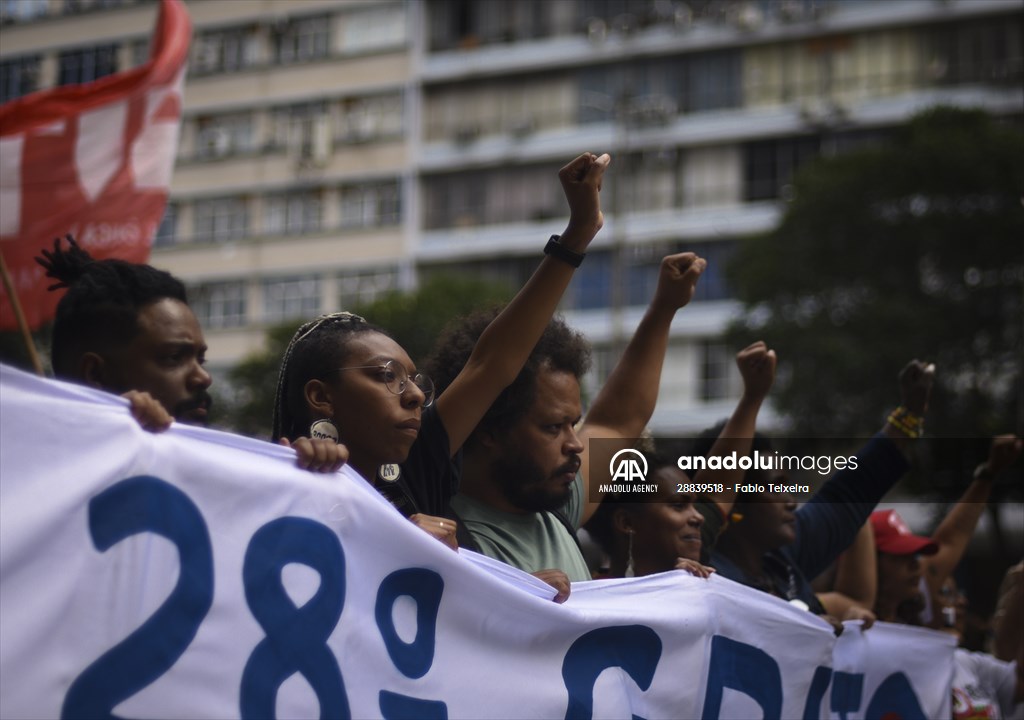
[561, 252]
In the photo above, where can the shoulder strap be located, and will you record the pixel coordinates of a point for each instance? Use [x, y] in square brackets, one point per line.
[562, 518]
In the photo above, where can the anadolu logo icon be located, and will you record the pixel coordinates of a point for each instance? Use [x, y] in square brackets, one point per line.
[628, 465]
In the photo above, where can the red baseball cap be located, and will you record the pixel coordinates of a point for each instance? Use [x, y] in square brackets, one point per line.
[892, 536]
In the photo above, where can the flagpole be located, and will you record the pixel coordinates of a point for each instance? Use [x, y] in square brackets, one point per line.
[26, 336]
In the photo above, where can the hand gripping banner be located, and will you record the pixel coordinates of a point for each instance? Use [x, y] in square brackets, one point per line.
[196, 574]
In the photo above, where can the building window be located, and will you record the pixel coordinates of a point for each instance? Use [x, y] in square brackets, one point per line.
[679, 375]
[770, 164]
[591, 288]
[469, 23]
[371, 205]
[292, 214]
[374, 29]
[140, 52]
[87, 64]
[366, 286]
[15, 11]
[301, 40]
[368, 118]
[712, 176]
[515, 194]
[714, 81]
[166, 233]
[219, 305]
[224, 135]
[641, 267]
[18, 76]
[72, 7]
[299, 127]
[290, 298]
[979, 51]
[712, 285]
[718, 373]
[223, 51]
[221, 219]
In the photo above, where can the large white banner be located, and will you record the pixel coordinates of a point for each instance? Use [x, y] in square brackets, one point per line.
[195, 574]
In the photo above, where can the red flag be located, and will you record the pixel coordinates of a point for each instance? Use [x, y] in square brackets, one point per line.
[93, 160]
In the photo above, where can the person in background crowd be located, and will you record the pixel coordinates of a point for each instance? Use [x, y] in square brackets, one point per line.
[1008, 619]
[651, 532]
[918, 572]
[348, 379]
[772, 545]
[127, 328]
[656, 532]
[956, 529]
[899, 563]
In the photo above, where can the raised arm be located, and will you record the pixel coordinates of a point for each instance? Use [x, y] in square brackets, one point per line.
[906, 422]
[856, 583]
[956, 529]
[505, 345]
[625, 404]
[757, 368]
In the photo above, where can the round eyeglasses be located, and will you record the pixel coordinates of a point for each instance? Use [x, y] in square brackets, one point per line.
[396, 379]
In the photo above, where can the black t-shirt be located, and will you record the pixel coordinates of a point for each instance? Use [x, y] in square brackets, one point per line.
[429, 477]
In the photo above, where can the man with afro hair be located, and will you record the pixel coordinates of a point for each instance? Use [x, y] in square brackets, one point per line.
[531, 472]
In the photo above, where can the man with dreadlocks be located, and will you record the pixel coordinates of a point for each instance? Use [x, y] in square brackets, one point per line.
[127, 328]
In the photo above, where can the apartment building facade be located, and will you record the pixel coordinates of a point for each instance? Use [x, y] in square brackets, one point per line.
[334, 150]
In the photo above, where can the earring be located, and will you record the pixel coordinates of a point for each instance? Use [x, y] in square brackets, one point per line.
[323, 429]
[629, 558]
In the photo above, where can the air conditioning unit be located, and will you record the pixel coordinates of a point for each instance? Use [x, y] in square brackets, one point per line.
[597, 29]
[746, 17]
[791, 11]
[682, 18]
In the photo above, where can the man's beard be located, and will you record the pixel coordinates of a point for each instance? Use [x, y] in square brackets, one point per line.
[183, 409]
[525, 484]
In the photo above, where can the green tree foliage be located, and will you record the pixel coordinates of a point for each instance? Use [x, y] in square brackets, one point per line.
[414, 319]
[914, 248]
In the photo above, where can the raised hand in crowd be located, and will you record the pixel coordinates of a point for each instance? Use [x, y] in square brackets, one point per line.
[954, 532]
[626, 402]
[756, 364]
[906, 422]
[581, 182]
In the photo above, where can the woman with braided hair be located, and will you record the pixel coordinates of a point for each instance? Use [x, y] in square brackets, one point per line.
[344, 378]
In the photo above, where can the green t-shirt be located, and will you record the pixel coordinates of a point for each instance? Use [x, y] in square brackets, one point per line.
[529, 541]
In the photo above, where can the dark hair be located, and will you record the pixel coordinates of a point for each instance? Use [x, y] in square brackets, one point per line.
[559, 348]
[317, 349]
[101, 307]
